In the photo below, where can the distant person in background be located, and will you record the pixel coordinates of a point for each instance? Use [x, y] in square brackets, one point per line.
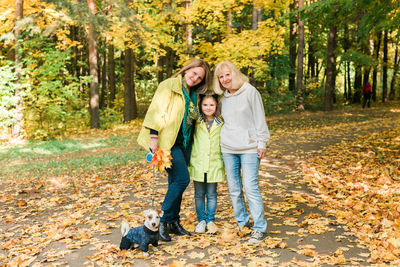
[168, 125]
[243, 140]
[367, 91]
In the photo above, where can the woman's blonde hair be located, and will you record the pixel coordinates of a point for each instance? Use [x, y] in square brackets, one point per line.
[205, 84]
[238, 78]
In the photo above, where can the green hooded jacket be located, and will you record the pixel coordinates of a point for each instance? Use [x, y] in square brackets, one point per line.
[206, 154]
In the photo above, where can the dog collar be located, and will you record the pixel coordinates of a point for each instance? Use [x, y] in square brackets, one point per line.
[148, 231]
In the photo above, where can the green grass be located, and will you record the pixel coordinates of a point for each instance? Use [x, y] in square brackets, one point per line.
[43, 149]
[71, 166]
[69, 156]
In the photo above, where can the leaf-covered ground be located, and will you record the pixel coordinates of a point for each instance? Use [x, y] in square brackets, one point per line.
[330, 187]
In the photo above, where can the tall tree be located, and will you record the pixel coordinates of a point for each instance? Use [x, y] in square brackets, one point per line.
[385, 66]
[330, 68]
[103, 61]
[347, 76]
[93, 69]
[377, 45]
[300, 57]
[396, 60]
[229, 21]
[256, 16]
[130, 107]
[111, 75]
[18, 131]
[292, 47]
[189, 32]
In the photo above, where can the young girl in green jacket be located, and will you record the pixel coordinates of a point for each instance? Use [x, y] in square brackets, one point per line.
[206, 166]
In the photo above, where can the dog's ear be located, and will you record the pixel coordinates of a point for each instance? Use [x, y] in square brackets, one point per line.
[146, 213]
[160, 213]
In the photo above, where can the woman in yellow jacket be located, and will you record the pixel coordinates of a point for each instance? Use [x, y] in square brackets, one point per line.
[168, 125]
[206, 165]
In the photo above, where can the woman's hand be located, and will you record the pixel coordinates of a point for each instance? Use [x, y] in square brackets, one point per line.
[153, 145]
[261, 152]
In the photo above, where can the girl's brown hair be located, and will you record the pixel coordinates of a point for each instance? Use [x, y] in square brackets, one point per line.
[213, 96]
[205, 84]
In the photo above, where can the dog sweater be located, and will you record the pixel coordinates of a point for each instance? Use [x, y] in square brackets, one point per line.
[139, 235]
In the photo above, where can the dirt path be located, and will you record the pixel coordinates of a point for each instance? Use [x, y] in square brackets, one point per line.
[81, 228]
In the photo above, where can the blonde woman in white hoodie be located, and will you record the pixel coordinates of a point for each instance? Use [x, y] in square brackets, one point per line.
[243, 141]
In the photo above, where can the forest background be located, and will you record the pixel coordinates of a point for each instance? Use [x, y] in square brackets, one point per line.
[70, 65]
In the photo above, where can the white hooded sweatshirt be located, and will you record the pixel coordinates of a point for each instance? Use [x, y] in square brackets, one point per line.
[245, 129]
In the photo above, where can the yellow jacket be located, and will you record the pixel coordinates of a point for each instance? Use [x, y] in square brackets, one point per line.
[206, 154]
[165, 114]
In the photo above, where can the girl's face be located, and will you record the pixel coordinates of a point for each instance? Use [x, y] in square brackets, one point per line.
[194, 76]
[208, 107]
[225, 78]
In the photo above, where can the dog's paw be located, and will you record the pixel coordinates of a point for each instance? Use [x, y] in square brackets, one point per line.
[146, 254]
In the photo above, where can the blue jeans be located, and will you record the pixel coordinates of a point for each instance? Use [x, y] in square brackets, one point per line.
[201, 190]
[248, 164]
[178, 180]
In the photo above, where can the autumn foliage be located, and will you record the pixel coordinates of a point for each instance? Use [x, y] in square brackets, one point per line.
[161, 160]
[360, 183]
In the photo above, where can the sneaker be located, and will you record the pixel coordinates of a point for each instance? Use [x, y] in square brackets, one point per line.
[211, 228]
[257, 237]
[201, 227]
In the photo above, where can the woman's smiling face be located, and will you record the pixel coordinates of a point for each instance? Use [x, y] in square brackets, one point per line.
[194, 76]
[225, 78]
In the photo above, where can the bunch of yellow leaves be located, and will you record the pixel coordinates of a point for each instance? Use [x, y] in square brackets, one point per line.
[161, 160]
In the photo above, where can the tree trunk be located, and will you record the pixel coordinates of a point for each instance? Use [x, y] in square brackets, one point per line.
[229, 28]
[357, 82]
[130, 108]
[311, 58]
[392, 94]
[300, 57]
[385, 66]
[160, 68]
[377, 45]
[170, 61]
[330, 69]
[189, 33]
[349, 91]
[74, 59]
[292, 49]
[103, 76]
[346, 46]
[256, 17]
[111, 75]
[357, 85]
[18, 131]
[367, 69]
[93, 70]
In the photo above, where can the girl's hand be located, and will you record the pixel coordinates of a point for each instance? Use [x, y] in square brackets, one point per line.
[261, 152]
[153, 145]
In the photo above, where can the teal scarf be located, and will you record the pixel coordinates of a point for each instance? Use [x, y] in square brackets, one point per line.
[191, 114]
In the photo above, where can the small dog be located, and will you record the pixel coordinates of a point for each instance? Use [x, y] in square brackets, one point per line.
[143, 235]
